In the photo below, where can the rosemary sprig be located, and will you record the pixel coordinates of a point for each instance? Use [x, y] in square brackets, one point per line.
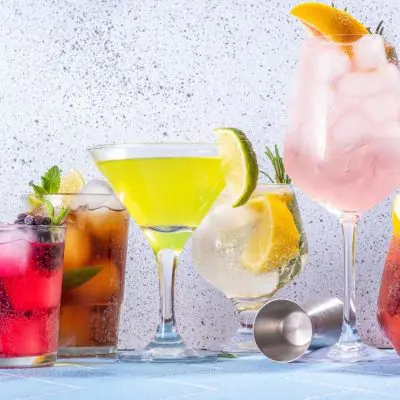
[333, 5]
[277, 163]
[378, 30]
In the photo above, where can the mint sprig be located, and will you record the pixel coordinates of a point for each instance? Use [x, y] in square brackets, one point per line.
[50, 184]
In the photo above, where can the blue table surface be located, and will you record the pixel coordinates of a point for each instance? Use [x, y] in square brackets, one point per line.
[248, 378]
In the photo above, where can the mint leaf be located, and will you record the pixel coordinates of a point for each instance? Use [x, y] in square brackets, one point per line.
[38, 190]
[51, 180]
[49, 208]
[224, 354]
[76, 277]
[61, 215]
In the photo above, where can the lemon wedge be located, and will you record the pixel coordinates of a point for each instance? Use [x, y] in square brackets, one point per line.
[275, 240]
[71, 182]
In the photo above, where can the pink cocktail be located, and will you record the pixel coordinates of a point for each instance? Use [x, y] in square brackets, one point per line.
[31, 260]
[343, 144]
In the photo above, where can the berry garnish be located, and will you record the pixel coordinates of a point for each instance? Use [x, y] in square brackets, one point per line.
[29, 220]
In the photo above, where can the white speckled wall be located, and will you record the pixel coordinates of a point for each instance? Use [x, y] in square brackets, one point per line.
[74, 73]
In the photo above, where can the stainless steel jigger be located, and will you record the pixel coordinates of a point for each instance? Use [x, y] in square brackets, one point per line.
[284, 330]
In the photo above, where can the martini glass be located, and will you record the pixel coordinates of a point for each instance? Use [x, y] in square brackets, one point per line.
[168, 189]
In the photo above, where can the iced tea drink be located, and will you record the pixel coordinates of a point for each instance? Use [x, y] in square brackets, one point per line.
[31, 258]
[93, 278]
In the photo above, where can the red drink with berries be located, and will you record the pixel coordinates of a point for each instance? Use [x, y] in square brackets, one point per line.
[389, 293]
[31, 258]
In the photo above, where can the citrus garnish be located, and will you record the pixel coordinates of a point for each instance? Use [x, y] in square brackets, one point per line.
[275, 240]
[396, 216]
[330, 22]
[239, 163]
[71, 182]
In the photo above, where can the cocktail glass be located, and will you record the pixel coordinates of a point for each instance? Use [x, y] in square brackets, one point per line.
[342, 147]
[93, 274]
[30, 291]
[389, 293]
[227, 236]
[167, 189]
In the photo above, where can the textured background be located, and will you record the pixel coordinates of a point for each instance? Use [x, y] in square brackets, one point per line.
[74, 73]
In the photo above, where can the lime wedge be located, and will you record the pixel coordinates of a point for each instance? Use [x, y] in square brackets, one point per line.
[74, 278]
[71, 182]
[239, 163]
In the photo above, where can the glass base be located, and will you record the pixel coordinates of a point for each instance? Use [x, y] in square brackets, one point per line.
[241, 344]
[346, 353]
[44, 360]
[167, 354]
[72, 352]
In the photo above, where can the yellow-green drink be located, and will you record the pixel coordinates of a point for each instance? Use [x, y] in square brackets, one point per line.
[168, 189]
[167, 196]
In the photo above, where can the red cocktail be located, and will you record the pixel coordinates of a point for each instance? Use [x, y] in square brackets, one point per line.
[31, 259]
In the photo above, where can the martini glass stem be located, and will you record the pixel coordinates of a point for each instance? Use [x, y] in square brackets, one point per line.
[166, 332]
[349, 336]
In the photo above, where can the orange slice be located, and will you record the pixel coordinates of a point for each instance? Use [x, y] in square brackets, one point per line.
[330, 22]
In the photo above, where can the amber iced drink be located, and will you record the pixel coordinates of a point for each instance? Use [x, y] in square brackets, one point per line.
[93, 278]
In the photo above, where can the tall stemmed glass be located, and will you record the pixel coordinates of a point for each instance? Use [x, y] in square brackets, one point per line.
[167, 189]
[342, 147]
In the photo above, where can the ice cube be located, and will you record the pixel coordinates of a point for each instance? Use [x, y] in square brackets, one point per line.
[97, 186]
[322, 62]
[15, 250]
[363, 84]
[383, 107]
[370, 53]
[391, 131]
[95, 194]
[38, 290]
[350, 131]
[332, 63]
[224, 217]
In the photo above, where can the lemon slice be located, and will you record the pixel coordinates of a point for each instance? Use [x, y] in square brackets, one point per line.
[330, 22]
[71, 182]
[34, 203]
[239, 163]
[396, 216]
[275, 240]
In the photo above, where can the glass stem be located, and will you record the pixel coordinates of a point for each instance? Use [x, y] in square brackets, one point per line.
[247, 313]
[166, 331]
[349, 334]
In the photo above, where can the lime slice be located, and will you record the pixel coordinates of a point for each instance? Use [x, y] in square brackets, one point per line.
[71, 182]
[239, 163]
[275, 240]
[74, 278]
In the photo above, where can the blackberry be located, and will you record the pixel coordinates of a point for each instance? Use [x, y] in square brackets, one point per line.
[29, 220]
[46, 221]
[20, 218]
[38, 220]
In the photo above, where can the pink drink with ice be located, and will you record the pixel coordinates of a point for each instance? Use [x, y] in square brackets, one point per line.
[31, 260]
[343, 143]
